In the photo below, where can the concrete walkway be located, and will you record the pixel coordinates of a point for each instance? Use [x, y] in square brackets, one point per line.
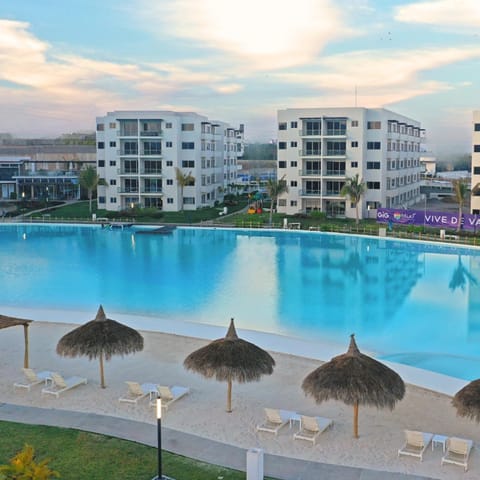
[192, 446]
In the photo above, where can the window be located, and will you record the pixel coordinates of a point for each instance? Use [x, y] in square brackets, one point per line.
[354, 164]
[169, 163]
[293, 183]
[168, 144]
[476, 148]
[354, 144]
[282, 145]
[476, 127]
[112, 125]
[168, 125]
[374, 125]
[282, 202]
[188, 145]
[293, 144]
[373, 145]
[113, 144]
[169, 181]
[188, 163]
[187, 127]
[101, 163]
[336, 127]
[282, 126]
[152, 148]
[476, 170]
[293, 124]
[354, 123]
[113, 181]
[113, 163]
[169, 200]
[113, 199]
[100, 127]
[101, 199]
[373, 185]
[293, 203]
[100, 145]
[130, 148]
[373, 165]
[293, 163]
[189, 200]
[282, 164]
[312, 127]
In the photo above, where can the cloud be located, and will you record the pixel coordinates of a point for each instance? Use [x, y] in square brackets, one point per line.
[263, 35]
[465, 13]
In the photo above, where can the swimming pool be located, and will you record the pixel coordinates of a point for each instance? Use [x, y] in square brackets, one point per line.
[410, 302]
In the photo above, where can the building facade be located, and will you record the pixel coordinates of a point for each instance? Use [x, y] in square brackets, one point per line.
[142, 155]
[475, 195]
[319, 148]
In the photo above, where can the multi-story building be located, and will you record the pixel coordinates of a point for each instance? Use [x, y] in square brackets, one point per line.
[475, 196]
[319, 148]
[142, 155]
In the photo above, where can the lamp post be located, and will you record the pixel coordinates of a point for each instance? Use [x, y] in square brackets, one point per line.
[159, 438]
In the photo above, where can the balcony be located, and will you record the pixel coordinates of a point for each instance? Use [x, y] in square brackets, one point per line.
[310, 173]
[127, 171]
[332, 193]
[128, 190]
[310, 132]
[151, 171]
[334, 173]
[152, 190]
[310, 153]
[310, 193]
[335, 153]
[335, 132]
[152, 133]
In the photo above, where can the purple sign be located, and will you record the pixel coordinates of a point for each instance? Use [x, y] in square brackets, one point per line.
[428, 218]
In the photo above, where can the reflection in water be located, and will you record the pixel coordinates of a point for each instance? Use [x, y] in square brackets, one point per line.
[399, 297]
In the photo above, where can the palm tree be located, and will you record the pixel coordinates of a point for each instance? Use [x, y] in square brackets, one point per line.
[460, 277]
[183, 180]
[460, 190]
[275, 189]
[89, 180]
[354, 188]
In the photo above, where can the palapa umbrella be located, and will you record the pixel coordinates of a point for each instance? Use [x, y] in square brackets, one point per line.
[230, 359]
[355, 379]
[467, 401]
[100, 338]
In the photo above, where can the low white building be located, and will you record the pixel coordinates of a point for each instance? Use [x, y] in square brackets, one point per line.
[319, 148]
[140, 152]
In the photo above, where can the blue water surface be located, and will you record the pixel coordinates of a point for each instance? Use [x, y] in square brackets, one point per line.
[410, 302]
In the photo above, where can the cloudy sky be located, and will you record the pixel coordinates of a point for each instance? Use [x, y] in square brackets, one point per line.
[64, 62]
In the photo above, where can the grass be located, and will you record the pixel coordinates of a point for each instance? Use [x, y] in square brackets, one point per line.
[76, 454]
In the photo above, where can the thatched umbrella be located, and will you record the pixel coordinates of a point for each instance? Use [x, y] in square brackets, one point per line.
[230, 359]
[467, 401]
[355, 379]
[100, 338]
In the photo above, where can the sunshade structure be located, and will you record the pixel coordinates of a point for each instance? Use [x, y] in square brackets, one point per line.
[230, 359]
[355, 379]
[467, 401]
[6, 322]
[100, 338]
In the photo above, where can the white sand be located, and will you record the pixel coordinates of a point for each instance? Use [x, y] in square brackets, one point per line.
[202, 412]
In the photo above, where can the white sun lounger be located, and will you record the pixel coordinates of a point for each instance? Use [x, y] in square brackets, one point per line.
[136, 392]
[458, 451]
[312, 427]
[415, 443]
[33, 378]
[60, 384]
[169, 395]
[275, 420]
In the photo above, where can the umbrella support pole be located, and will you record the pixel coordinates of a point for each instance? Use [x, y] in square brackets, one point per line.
[355, 420]
[102, 375]
[229, 396]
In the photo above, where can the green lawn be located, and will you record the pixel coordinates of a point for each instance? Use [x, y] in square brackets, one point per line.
[82, 455]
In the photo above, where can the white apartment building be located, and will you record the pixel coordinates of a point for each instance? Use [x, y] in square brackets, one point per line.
[475, 195]
[139, 152]
[319, 148]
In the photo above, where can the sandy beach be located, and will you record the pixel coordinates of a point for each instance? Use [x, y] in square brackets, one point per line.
[202, 412]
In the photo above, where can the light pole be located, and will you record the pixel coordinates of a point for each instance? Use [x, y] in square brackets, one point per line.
[159, 438]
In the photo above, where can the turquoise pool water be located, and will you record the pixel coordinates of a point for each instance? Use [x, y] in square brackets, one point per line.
[411, 302]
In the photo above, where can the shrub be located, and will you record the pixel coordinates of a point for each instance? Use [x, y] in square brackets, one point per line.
[23, 466]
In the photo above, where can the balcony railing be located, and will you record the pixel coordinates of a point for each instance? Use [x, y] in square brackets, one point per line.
[310, 153]
[157, 153]
[335, 132]
[335, 173]
[151, 133]
[128, 190]
[310, 133]
[310, 193]
[332, 193]
[151, 171]
[336, 153]
[127, 171]
[151, 190]
[308, 173]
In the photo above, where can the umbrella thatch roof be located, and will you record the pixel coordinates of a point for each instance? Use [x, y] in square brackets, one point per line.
[355, 379]
[100, 338]
[6, 322]
[231, 359]
[467, 401]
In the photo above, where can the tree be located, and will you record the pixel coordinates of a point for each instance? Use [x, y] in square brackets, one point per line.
[275, 188]
[89, 180]
[354, 188]
[460, 190]
[183, 180]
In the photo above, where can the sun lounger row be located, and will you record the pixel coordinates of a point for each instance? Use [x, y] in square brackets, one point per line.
[54, 383]
[137, 391]
[456, 450]
[310, 427]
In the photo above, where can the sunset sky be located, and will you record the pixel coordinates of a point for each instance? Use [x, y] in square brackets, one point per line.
[64, 62]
